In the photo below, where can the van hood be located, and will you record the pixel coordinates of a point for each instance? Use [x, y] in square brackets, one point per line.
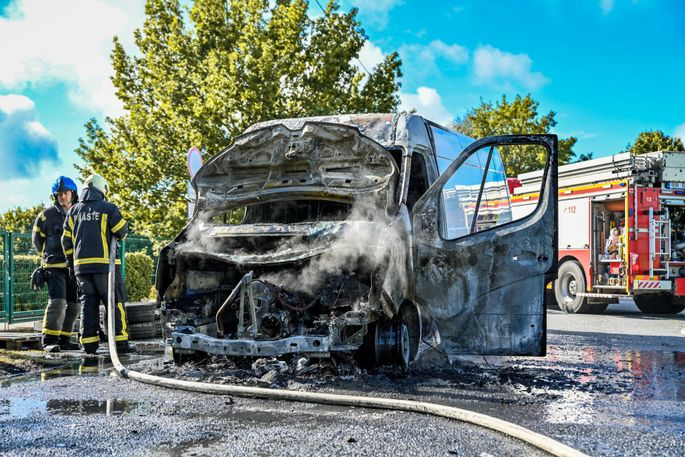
[319, 160]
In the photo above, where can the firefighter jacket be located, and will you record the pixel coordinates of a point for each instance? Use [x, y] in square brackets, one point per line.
[47, 232]
[88, 230]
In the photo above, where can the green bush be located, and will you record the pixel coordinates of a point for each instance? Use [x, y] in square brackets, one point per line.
[138, 273]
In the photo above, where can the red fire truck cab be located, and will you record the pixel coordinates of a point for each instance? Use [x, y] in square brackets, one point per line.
[621, 225]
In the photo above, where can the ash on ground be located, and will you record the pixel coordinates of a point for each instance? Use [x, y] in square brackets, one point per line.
[505, 379]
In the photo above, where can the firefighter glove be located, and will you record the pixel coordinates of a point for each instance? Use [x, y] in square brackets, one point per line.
[38, 278]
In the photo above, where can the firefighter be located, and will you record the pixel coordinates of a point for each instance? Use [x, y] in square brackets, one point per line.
[88, 231]
[63, 307]
[612, 243]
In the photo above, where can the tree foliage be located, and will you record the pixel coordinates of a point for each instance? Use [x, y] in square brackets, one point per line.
[519, 116]
[584, 157]
[20, 219]
[202, 83]
[654, 140]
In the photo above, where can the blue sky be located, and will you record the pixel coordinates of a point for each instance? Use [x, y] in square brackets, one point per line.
[609, 68]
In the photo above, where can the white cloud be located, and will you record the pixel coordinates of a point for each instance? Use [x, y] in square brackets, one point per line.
[428, 103]
[25, 144]
[9, 104]
[66, 41]
[424, 62]
[607, 6]
[452, 52]
[500, 68]
[35, 128]
[580, 134]
[680, 132]
[370, 55]
[426, 55]
[376, 12]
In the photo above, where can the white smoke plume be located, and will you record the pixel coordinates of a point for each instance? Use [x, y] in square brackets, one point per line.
[368, 236]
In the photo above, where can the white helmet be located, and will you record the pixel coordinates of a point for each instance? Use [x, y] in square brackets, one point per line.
[98, 182]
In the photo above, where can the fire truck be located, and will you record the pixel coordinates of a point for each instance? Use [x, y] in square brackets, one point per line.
[621, 231]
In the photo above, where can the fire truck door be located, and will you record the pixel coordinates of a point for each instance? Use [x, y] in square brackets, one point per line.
[485, 289]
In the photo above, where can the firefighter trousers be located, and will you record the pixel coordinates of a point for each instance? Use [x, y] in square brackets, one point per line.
[63, 307]
[93, 290]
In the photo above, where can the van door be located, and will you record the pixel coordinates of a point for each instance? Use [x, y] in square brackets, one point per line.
[480, 275]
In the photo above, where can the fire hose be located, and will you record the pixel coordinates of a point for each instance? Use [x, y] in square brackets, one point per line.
[535, 439]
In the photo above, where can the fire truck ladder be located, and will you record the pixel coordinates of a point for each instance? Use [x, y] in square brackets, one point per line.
[659, 237]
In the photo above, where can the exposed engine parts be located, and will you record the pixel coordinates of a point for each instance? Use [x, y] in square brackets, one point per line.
[263, 310]
[258, 316]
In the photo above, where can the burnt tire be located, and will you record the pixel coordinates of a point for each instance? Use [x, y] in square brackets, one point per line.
[659, 303]
[140, 312]
[142, 330]
[392, 345]
[570, 282]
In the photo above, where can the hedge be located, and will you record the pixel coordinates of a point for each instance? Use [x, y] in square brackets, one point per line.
[139, 267]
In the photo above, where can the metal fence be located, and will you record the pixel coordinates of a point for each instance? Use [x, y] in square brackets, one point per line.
[18, 302]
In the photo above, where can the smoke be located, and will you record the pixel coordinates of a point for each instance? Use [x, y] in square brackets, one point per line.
[368, 238]
[198, 236]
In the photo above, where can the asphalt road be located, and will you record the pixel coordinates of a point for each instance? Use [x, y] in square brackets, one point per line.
[610, 385]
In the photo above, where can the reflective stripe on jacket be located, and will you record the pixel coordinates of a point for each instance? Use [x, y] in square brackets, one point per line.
[47, 232]
[88, 230]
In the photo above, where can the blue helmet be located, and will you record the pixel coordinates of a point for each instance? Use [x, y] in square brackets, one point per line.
[63, 184]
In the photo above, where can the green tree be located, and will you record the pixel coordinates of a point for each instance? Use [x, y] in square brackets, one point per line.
[654, 140]
[200, 84]
[520, 116]
[20, 219]
[583, 157]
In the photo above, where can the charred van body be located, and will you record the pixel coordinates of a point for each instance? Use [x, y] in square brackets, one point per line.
[323, 235]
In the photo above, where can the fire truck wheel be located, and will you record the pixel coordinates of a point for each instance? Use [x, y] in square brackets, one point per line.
[659, 304]
[571, 281]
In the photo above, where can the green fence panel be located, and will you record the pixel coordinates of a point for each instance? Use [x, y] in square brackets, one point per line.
[18, 260]
[28, 304]
[4, 290]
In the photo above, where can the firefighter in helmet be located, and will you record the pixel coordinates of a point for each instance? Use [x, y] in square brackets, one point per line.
[88, 231]
[63, 307]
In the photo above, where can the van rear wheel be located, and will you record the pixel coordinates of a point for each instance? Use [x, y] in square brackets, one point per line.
[571, 281]
[659, 303]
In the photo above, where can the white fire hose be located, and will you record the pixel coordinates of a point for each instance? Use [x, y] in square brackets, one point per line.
[545, 443]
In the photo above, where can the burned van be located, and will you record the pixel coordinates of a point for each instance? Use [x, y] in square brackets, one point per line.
[376, 235]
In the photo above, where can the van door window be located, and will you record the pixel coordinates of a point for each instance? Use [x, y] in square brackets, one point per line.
[476, 197]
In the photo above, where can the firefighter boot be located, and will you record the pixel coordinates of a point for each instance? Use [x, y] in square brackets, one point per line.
[52, 322]
[66, 344]
[72, 312]
[124, 347]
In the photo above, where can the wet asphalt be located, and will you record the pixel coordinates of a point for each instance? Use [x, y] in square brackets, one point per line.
[610, 385]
